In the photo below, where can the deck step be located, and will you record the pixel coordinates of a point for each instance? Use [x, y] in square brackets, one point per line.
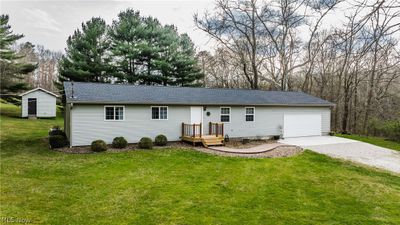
[212, 141]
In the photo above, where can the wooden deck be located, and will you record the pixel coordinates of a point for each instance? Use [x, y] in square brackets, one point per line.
[206, 140]
[193, 133]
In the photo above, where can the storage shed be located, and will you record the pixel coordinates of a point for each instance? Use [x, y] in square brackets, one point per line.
[38, 103]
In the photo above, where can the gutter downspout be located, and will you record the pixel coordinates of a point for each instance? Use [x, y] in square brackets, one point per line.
[70, 124]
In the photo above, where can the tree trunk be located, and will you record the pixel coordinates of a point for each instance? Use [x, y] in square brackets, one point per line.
[370, 88]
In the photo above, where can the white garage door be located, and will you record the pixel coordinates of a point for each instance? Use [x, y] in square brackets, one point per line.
[301, 125]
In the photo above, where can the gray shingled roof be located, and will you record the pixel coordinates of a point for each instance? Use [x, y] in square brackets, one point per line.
[101, 93]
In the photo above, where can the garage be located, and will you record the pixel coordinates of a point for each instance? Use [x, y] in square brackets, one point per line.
[301, 125]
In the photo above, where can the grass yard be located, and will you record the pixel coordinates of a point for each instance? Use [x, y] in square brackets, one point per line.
[180, 186]
[379, 141]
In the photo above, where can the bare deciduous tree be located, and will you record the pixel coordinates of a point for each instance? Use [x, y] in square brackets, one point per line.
[354, 64]
[46, 72]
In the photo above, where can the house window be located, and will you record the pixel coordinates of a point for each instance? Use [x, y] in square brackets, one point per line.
[159, 112]
[250, 114]
[225, 114]
[114, 112]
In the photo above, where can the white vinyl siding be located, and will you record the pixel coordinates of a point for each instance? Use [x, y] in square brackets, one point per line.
[45, 104]
[88, 124]
[269, 120]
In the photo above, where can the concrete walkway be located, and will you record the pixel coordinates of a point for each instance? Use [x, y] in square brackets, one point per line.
[352, 150]
[252, 150]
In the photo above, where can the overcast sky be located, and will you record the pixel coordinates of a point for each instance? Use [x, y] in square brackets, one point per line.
[49, 23]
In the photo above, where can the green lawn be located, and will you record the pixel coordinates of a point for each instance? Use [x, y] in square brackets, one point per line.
[183, 186]
[379, 141]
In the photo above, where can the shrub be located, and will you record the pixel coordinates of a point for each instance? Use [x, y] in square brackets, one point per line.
[375, 127]
[388, 129]
[146, 143]
[276, 137]
[392, 130]
[119, 142]
[98, 146]
[57, 141]
[331, 133]
[161, 140]
[56, 130]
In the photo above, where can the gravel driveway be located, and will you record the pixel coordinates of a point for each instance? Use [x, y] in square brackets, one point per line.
[352, 150]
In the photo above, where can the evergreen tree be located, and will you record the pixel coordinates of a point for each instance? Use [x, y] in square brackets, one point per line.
[146, 52]
[168, 41]
[86, 54]
[12, 68]
[150, 50]
[126, 42]
[134, 49]
[185, 64]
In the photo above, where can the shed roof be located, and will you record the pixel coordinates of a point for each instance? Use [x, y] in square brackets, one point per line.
[102, 93]
[38, 89]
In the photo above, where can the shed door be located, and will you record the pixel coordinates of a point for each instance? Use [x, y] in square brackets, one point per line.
[32, 106]
[302, 125]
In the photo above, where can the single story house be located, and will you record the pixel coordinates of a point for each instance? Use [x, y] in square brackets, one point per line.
[38, 102]
[105, 111]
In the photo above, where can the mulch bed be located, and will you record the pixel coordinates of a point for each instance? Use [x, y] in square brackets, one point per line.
[281, 151]
[278, 152]
[239, 144]
[130, 147]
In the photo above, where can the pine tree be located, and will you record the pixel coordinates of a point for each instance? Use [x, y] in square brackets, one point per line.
[134, 49]
[186, 69]
[12, 69]
[126, 38]
[86, 54]
[145, 52]
[169, 43]
[150, 50]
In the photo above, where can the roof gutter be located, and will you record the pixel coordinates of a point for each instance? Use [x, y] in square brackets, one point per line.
[197, 104]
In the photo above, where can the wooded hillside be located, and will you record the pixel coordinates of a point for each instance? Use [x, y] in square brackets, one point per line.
[289, 45]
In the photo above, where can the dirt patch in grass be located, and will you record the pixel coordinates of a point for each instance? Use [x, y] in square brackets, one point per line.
[77, 150]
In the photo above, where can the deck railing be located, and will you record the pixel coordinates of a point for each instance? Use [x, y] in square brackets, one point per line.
[195, 130]
[216, 129]
[191, 130]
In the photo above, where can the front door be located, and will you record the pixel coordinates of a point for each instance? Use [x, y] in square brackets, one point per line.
[32, 106]
[196, 115]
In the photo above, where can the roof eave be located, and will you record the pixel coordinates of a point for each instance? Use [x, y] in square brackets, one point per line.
[199, 104]
[36, 89]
